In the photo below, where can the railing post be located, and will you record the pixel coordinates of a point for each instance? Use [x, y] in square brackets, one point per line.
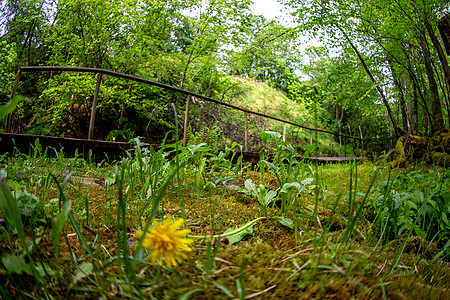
[331, 144]
[186, 119]
[284, 132]
[94, 106]
[345, 146]
[246, 131]
[310, 137]
[13, 93]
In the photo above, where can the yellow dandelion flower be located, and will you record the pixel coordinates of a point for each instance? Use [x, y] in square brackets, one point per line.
[166, 241]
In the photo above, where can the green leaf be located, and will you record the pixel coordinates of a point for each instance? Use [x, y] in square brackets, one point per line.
[10, 107]
[286, 222]
[15, 264]
[58, 223]
[309, 181]
[50, 272]
[271, 166]
[83, 270]
[238, 236]
[224, 289]
[271, 194]
[8, 204]
[288, 186]
[411, 204]
[27, 203]
[188, 294]
[444, 218]
[2, 174]
[270, 136]
[193, 148]
[251, 187]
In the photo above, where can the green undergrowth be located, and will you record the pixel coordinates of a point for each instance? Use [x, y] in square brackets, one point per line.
[299, 230]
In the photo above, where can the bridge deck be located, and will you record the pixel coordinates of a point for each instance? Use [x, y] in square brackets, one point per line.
[100, 150]
[333, 159]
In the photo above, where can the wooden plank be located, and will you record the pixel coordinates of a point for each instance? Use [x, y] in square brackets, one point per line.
[334, 159]
[10, 142]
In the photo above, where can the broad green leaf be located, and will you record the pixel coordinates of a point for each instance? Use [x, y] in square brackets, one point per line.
[49, 271]
[10, 107]
[238, 236]
[286, 222]
[8, 204]
[288, 186]
[82, 271]
[270, 136]
[15, 264]
[193, 148]
[308, 181]
[444, 218]
[271, 194]
[251, 187]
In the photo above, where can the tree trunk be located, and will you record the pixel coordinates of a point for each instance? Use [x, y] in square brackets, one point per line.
[401, 97]
[398, 130]
[436, 110]
[415, 126]
[189, 60]
[436, 45]
[444, 29]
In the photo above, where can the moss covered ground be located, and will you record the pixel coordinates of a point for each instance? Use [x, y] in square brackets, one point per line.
[319, 255]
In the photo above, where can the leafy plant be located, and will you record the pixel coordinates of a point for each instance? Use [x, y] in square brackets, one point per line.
[264, 196]
[286, 166]
[211, 136]
[415, 202]
[28, 204]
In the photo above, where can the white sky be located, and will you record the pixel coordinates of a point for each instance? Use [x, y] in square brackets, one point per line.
[268, 8]
[271, 9]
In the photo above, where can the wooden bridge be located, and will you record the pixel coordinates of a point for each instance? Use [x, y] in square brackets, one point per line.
[10, 141]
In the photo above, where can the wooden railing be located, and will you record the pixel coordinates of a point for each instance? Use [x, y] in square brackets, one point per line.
[101, 72]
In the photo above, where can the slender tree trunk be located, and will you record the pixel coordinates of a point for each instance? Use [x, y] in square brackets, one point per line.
[436, 110]
[401, 96]
[189, 61]
[415, 110]
[437, 46]
[398, 130]
[444, 29]
[445, 95]
[417, 83]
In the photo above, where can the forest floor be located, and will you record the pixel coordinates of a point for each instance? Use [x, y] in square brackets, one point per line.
[323, 238]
